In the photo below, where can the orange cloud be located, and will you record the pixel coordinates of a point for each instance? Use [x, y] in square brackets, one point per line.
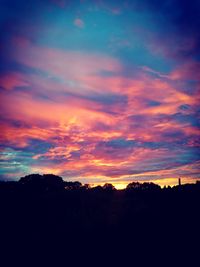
[97, 121]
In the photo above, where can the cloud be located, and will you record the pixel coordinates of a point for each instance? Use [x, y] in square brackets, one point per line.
[187, 71]
[12, 80]
[79, 23]
[78, 107]
[174, 32]
[96, 124]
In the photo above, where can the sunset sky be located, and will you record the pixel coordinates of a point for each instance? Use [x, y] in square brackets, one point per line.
[100, 91]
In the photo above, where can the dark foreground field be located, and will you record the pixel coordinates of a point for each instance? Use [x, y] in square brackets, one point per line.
[66, 224]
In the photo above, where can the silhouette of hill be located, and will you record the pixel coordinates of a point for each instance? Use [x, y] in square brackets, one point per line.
[46, 218]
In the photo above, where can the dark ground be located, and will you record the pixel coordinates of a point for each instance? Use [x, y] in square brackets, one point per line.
[42, 226]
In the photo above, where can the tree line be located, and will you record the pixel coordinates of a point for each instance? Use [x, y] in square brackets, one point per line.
[51, 182]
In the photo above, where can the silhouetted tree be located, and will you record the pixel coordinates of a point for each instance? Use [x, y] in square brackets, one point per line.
[133, 185]
[108, 187]
[73, 185]
[150, 186]
[143, 186]
[47, 182]
[31, 179]
[97, 188]
[86, 186]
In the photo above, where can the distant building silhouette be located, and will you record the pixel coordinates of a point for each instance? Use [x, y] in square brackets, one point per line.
[179, 181]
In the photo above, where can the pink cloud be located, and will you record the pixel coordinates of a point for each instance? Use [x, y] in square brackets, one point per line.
[12, 80]
[79, 23]
[187, 71]
[63, 107]
[66, 65]
[116, 11]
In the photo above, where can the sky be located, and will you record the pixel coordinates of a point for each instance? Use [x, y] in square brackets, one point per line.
[100, 91]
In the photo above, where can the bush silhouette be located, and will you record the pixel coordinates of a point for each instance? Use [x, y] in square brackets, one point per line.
[143, 186]
[46, 182]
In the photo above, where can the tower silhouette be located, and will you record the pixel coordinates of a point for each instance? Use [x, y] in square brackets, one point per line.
[179, 181]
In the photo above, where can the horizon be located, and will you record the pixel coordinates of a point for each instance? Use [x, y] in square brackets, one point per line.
[100, 91]
[122, 185]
